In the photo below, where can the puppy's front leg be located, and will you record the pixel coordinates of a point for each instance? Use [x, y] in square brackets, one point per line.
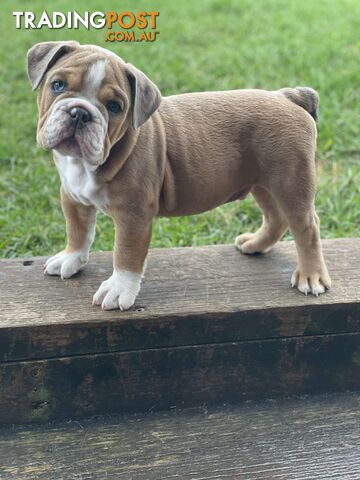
[80, 230]
[132, 239]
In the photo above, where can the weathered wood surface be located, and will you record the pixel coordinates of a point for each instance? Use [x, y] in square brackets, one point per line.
[157, 379]
[190, 296]
[210, 325]
[300, 439]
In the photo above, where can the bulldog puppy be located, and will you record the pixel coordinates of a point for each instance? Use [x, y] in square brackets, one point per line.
[123, 149]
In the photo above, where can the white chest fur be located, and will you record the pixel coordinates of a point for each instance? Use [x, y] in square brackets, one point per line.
[79, 182]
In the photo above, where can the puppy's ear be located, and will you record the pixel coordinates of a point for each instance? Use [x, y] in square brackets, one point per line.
[145, 96]
[42, 56]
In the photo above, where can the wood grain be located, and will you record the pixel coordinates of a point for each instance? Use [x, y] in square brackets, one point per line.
[299, 439]
[190, 296]
[210, 325]
[157, 379]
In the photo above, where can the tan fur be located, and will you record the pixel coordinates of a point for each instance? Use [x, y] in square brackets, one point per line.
[195, 152]
[79, 219]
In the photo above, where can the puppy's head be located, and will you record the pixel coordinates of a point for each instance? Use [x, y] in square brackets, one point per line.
[88, 98]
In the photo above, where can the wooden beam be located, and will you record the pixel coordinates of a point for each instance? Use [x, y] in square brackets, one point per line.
[209, 325]
[304, 439]
[190, 296]
[157, 379]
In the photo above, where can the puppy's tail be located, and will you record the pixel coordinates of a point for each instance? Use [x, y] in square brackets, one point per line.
[305, 97]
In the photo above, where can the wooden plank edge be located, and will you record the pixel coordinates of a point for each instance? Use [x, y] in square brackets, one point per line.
[67, 339]
[157, 379]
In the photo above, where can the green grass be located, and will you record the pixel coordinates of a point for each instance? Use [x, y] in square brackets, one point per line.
[203, 45]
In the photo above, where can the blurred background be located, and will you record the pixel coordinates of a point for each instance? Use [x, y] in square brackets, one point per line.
[203, 45]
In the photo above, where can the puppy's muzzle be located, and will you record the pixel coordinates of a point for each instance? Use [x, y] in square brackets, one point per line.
[77, 128]
[80, 117]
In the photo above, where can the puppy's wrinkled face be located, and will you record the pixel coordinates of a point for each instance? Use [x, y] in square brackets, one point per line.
[88, 98]
[84, 105]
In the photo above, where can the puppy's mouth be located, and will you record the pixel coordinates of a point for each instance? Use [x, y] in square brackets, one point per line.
[75, 128]
[66, 142]
[68, 146]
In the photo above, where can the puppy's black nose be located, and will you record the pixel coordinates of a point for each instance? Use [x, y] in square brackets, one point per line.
[80, 116]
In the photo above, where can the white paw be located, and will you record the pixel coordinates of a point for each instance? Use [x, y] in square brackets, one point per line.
[250, 243]
[315, 283]
[119, 291]
[65, 264]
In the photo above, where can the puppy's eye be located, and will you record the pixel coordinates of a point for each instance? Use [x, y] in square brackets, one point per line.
[113, 107]
[58, 86]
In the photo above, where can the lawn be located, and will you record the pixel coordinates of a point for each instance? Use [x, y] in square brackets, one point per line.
[203, 45]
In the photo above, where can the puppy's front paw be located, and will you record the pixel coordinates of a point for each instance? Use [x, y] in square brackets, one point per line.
[119, 291]
[314, 282]
[65, 264]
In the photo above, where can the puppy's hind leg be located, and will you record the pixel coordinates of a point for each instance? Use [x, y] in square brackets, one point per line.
[272, 229]
[297, 203]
